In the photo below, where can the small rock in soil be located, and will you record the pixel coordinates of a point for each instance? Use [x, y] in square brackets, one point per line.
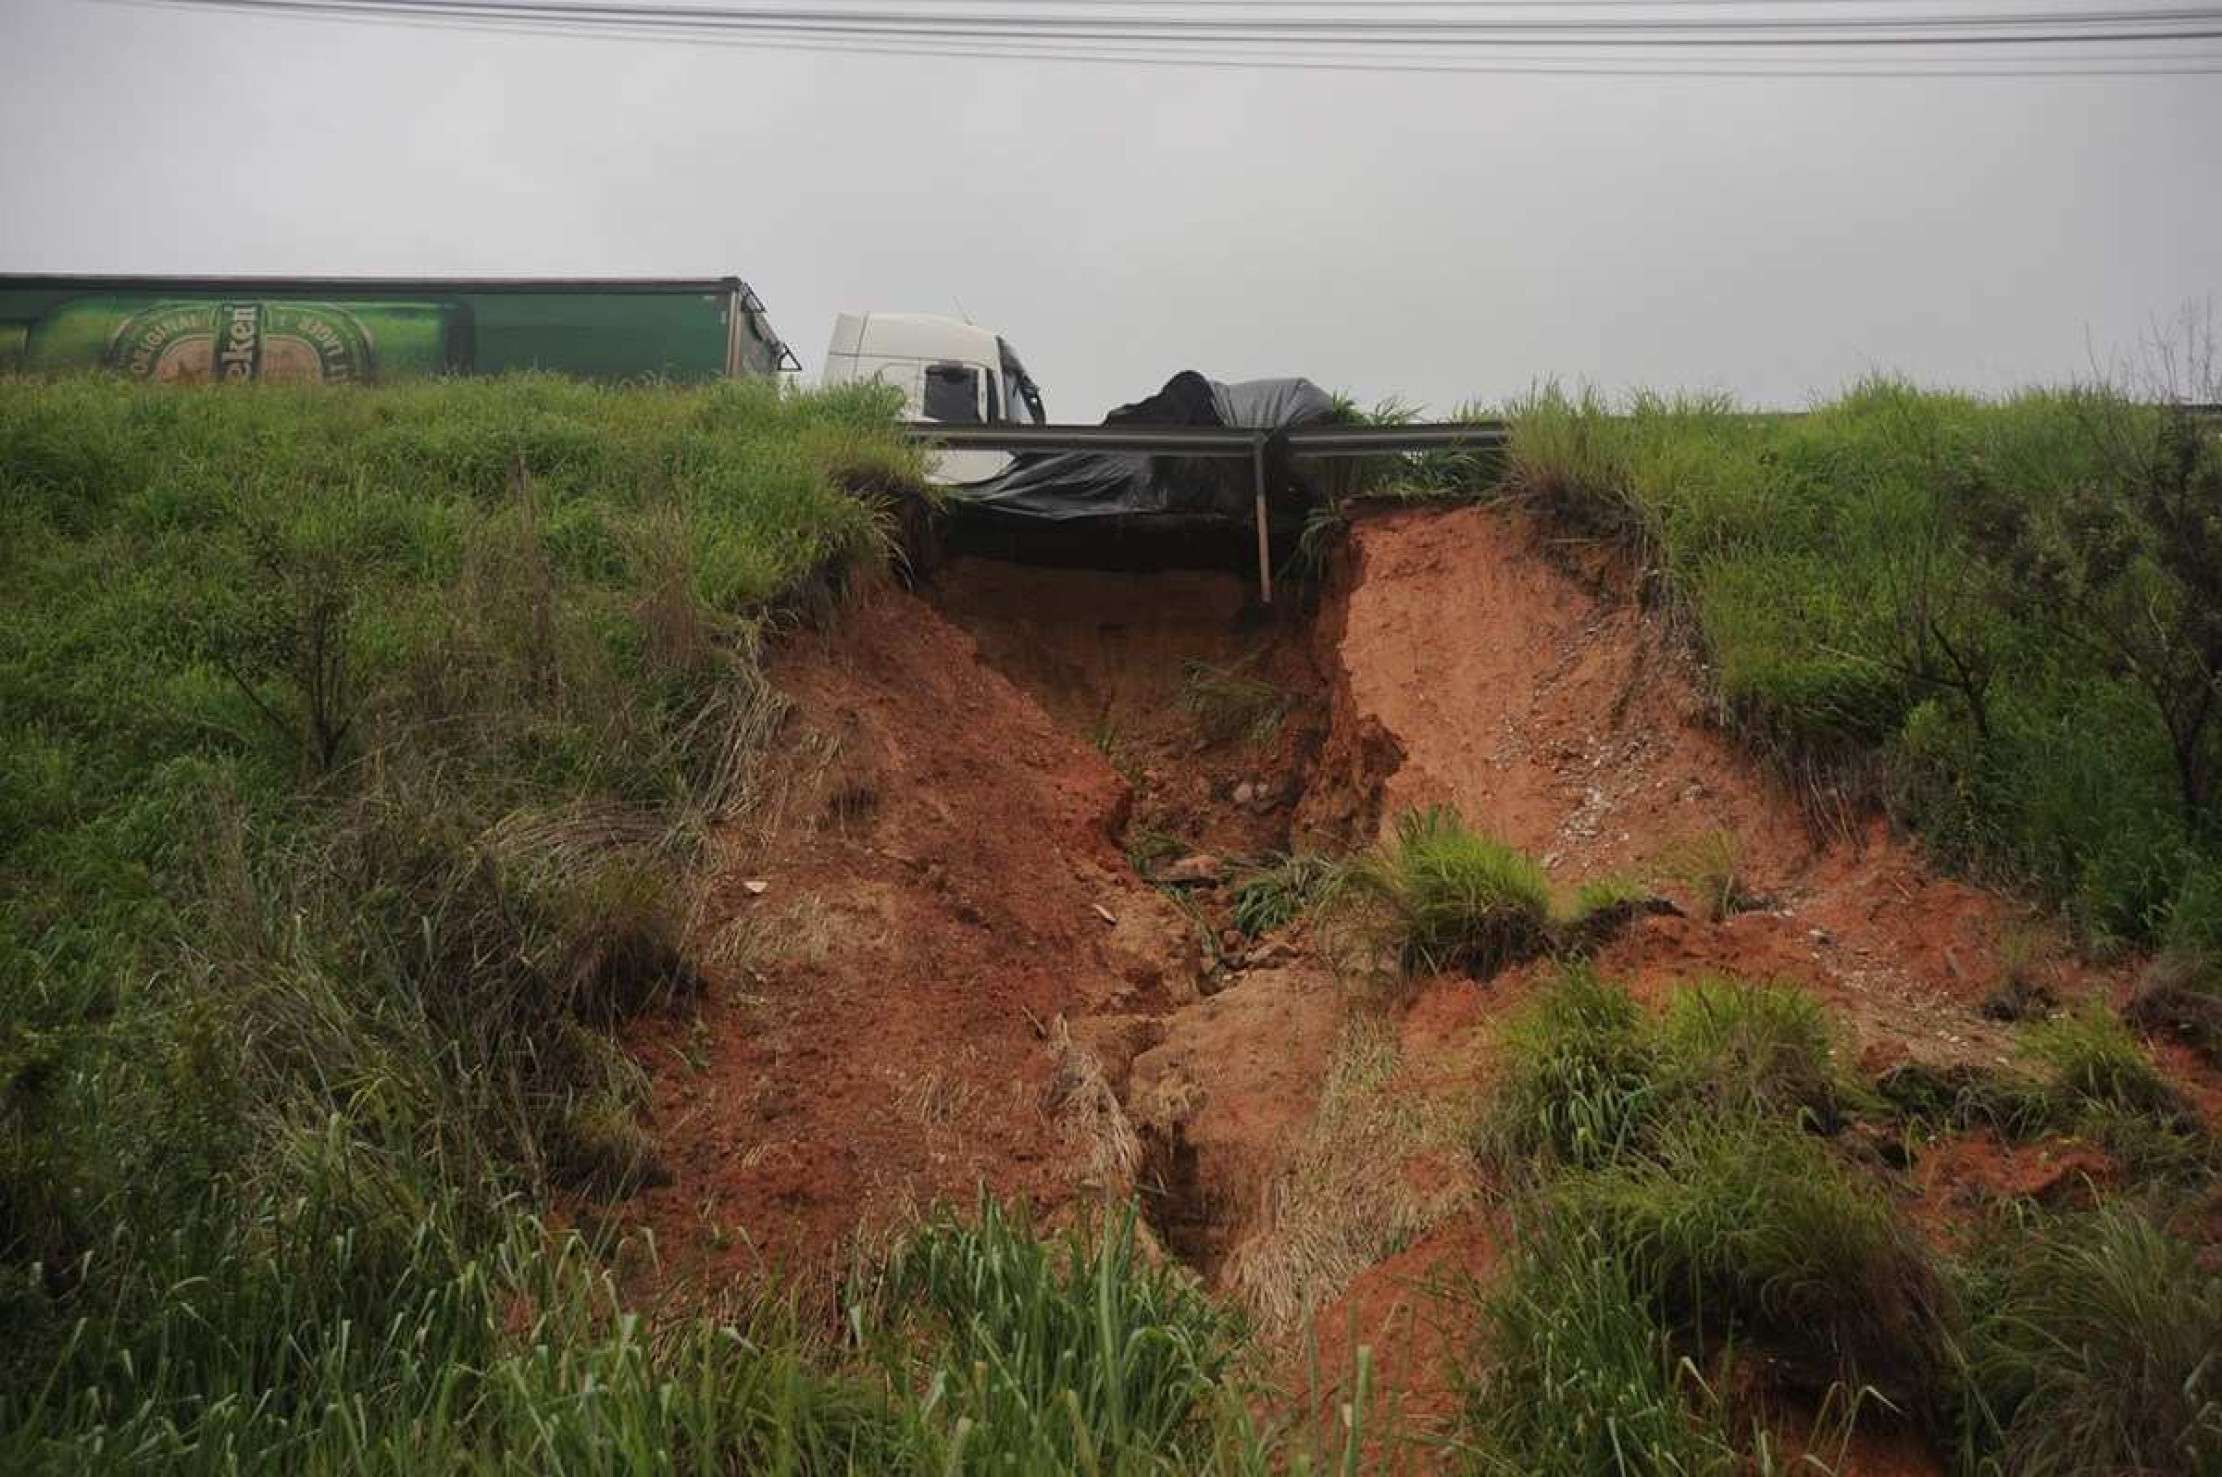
[1190, 871]
[1245, 792]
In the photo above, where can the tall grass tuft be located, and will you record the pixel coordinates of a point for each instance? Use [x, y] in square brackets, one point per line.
[1577, 1077]
[2093, 1349]
[1763, 1050]
[1450, 897]
[1579, 1376]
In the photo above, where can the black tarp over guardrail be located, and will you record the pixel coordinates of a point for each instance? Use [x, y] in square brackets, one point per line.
[1254, 444]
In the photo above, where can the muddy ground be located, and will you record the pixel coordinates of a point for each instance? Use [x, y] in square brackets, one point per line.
[950, 951]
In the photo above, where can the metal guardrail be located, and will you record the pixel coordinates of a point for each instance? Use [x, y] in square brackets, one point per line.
[1229, 441]
[1219, 441]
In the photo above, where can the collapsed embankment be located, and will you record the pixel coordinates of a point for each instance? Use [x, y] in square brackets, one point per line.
[982, 934]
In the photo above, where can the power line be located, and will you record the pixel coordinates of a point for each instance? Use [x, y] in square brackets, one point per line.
[2181, 23]
[1463, 46]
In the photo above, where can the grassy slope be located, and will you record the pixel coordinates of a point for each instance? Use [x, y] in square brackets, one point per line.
[354, 749]
[1848, 578]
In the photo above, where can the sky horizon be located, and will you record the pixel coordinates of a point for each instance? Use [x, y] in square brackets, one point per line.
[1434, 237]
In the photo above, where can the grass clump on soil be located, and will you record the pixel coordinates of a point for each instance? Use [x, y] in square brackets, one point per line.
[2001, 618]
[1073, 1354]
[1580, 1377]
[1229, 702]
[1681, 1205]
[1450, 897]
[2090, 1059]
[1763, 1050]
[2180, 994]
[1280, 891]
[354, 749]
[1754, 1230]
[2092, 1348]
[1579, 1076]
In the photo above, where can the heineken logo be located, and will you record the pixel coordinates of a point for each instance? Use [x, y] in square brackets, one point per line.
[263, 340]
[239, 340]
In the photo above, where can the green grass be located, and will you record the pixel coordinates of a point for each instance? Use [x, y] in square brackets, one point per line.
[357, 746]
[1753, 1049]
[2090, 1058]
[1231, 702]
[1579, 1377]
[1859, 579]
[1450, 897]
[1578, 1076]
[1281, 890]
[2092, 1349]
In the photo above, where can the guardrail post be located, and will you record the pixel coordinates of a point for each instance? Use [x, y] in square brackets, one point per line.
[1265, 538]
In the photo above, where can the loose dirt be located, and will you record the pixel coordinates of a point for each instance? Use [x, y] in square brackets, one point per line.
[943, 918]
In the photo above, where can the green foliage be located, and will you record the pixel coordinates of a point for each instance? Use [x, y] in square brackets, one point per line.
[354, 741]
[1230, 702]
[1751, 1229]
[2092, 1349]
[1580, 1377]
[1996, 616]
[1060, 1356]
[1453, 898]
[1276, 894]
[1577, 1079]
[2091, 1058]
[1753, 1049]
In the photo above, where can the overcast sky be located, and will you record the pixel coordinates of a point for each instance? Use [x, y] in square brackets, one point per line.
[1434, 236]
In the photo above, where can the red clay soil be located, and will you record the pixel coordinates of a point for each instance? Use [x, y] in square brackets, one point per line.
[1113, 656]
[939, 882]
[891, 940]
[1518, 685]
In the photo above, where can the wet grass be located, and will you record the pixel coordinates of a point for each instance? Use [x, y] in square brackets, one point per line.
[1861, 581]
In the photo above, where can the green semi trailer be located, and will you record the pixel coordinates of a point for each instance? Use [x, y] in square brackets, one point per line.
[362, 329]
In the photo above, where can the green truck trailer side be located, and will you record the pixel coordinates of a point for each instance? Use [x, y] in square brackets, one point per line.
[340, 330]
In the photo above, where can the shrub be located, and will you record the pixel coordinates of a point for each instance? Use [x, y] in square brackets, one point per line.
[2093, 1349]
[1453, 898]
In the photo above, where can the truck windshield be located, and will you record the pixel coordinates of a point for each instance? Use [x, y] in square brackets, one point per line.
[1023, 390]
[952, 393]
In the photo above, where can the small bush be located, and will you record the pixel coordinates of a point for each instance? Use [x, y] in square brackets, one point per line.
[1765, 1050]
[2093, 1348]
[1453, 898]
[1576, 1075]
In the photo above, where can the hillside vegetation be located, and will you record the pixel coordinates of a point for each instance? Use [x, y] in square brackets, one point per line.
[2002, 618]
[358, 751]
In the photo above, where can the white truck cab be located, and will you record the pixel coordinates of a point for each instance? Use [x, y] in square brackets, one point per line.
[947, 369]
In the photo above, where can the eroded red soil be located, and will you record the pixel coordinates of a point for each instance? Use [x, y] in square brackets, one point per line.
[947, 868]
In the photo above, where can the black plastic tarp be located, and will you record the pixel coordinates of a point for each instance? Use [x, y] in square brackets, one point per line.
[1063, 486]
